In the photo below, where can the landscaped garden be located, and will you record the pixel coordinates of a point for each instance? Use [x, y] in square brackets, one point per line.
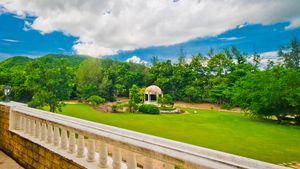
[225, 131]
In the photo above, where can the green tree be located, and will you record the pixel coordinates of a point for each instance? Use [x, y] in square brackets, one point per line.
[273, 92]
[135, 98]
[291, 54]
[219, 64]
[88, 78]
[51, 81]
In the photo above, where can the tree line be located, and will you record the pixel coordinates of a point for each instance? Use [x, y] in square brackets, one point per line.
[229, 78]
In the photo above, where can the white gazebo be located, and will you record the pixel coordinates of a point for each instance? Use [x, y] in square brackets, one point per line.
[152, 94]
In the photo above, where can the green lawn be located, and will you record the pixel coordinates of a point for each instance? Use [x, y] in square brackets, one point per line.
[229, 132]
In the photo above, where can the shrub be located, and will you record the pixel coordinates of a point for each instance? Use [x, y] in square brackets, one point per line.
[149, 109]
[167, 100]
[95, 100]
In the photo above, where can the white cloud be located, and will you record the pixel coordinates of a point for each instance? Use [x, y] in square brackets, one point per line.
[231, 38]
[105, 27]
[135, 59]
[10, 40]
[266, 57]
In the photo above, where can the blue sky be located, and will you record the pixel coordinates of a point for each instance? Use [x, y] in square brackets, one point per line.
[33, 29]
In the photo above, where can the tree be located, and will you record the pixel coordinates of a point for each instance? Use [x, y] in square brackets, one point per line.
[274, 92]
[291, 54]
[51, 81]
[88, 78]
[237, 55]
[219, 64]
[135, 98]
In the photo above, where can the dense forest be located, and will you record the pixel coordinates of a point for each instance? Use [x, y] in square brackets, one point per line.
[228, 78]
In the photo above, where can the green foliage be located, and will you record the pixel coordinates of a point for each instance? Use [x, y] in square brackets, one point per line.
[291, 54]
[135, 98]
[274, 92]
[95, 100]
[218, 78]
[148, 109]
[219, 64]
[51, 81]
[167, 100]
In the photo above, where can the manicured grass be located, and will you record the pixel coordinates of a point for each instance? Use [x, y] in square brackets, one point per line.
[229, 132]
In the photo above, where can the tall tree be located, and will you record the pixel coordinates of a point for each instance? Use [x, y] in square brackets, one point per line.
[291, 54]
[51, 81]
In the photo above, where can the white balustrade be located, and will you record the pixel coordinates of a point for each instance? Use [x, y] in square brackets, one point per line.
[27, 126]
[64, 139]
[32, 127]
[117, 158]
[43, 132]
[56, 136]
[91, 150]
[49, 134]
[131, 160]
[103, 153]
[80, 146]
[152, 152]
[18, 122]
[72, 142]
[37, 129]
[23, 123]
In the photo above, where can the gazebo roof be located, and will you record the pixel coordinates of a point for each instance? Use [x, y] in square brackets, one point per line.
[153, 89]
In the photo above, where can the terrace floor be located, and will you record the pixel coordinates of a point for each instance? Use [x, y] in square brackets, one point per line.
[7, 162]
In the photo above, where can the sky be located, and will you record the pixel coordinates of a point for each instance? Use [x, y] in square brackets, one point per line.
[138, 30]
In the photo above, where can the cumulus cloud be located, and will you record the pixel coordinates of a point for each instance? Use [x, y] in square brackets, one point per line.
[135, 59]
[266, 57]
[106, 27]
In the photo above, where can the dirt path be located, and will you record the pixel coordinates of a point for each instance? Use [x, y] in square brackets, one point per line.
[204, 106]
[106, 107]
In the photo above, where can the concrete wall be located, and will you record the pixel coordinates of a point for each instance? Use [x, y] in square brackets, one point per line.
[26, 153]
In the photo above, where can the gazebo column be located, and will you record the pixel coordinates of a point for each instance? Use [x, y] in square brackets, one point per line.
[149, 98]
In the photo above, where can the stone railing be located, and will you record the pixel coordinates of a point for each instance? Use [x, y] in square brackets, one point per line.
[94, 145]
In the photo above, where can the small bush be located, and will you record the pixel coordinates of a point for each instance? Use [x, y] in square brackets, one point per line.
[149, 109]
[167, 100]
[95, 100]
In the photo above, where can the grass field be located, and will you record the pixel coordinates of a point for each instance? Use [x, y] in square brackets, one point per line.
[229, 132]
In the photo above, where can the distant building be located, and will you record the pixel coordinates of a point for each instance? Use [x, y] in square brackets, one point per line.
[152, 94]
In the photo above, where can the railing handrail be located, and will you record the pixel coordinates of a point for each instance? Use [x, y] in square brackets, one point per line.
[178, 150]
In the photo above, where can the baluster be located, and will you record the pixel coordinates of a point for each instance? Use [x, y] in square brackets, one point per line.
[148, 163]
[18, 121]
[64, 138]
[50, 133]
[80, 146]
[169, 166]
[72, 142]
[27, 126]
[117, 157]
[103, 155]
[24, 123]
[21, 122]
[56, 136]
[131, 161]
[37, 129]
[44, 132]
[91, 150]
[32, 127]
